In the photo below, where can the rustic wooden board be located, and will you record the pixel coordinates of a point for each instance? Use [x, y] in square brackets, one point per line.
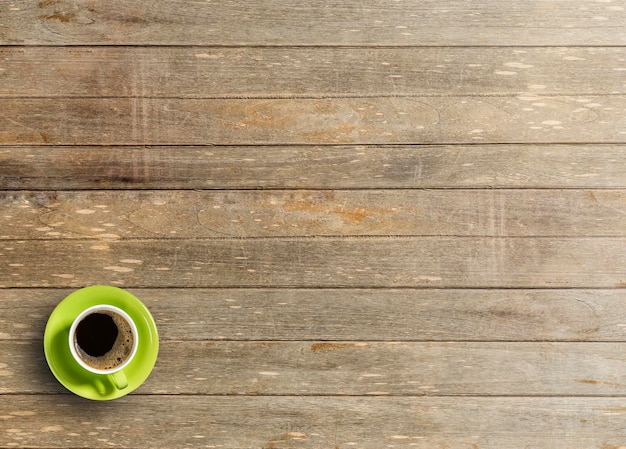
[235, 167]
[352, 314]
[375, 120]
[321, 262]
[362, 22]
[355, 368]
[348, 306]
[314, 422]
[201, 72]
[279, 213]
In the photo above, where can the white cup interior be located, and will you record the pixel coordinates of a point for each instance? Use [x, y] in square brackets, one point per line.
[103, 308]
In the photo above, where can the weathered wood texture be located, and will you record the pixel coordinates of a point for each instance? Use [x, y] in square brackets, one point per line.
[293, 22]
[355, 368]
[320, 262]
[320, 167]
[348, 306]
[246, 214]
[373, 120]
[270, 314]
[208, 72]
[313, 422]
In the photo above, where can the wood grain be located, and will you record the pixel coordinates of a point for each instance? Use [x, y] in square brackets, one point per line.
[313, 422]
[417, 120]
[269, 314]
[220, 214]
[321, 262]
[317, 167]
[363, 22]
[259, 174]
[208, 72]
[356, 368]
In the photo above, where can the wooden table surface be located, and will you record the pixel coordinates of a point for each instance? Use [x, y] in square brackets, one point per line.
[358, 223]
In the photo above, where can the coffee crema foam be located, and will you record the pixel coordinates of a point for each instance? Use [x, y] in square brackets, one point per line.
[119, 352]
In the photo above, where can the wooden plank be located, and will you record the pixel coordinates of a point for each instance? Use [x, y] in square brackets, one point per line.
[202, 72]
[355, 368]
[279, 213]
[352, 314]
[470, 166]
[314, 422]
[322, 262]
[363, 22]
[462, 120]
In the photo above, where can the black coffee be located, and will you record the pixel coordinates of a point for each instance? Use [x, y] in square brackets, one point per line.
[96, 334]
[103, 340]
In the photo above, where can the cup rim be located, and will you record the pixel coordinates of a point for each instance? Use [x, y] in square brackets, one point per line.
[110, 308]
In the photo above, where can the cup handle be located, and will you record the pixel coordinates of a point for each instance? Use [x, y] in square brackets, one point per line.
[119, 380]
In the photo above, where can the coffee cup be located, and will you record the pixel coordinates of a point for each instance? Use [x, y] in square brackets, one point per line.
[103, 339]
[86, 334]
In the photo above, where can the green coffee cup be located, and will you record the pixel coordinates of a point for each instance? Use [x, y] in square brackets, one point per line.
[101, 342]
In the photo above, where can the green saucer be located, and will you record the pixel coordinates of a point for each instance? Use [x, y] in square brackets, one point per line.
[74, 377]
